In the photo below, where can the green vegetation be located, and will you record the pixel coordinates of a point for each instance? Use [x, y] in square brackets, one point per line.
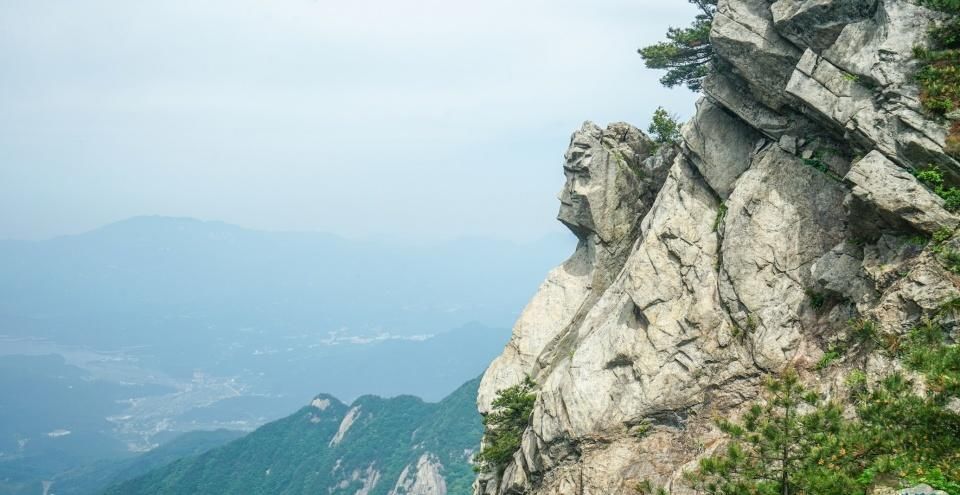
[817, 299]
[951, 259]
[828, 358]
[778, 446]
[949, 256]
[664, 128]
[939, 73]
[504, 426]
[933, 178]
[721, 214]
[295, 455]
[939, 79]
[641, 429]
[687, 55]
[794, 442]
[941, 236]
[646, 487]
[864, 332]
[917, 240]
[817, 161]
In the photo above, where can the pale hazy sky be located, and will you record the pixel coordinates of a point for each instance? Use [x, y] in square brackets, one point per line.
[412, 119]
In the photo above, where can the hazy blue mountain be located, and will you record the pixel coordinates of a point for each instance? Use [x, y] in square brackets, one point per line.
[172, 277]
[329, 447]
[53, 425]
[56, 413]
[94, 478]
[156, 326]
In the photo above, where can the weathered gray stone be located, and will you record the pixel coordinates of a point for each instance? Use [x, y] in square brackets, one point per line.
[720, 145]
[918, 293]
[612, 177]
[815, 24]
[880, 47]
[897, 196]
[863, 86]
[921, 489]
[841, 272]
[641, 342]
[423, 478]
[780, 219]
[789, 144]
[728, 91]
[744, 35]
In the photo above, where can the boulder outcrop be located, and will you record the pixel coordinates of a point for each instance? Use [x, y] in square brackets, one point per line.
[697, 265]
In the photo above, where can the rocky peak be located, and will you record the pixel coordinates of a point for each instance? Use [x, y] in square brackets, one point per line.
[612, 175]
[694, 271]
[603, 167]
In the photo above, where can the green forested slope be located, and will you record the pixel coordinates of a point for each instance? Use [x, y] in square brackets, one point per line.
[298, 454]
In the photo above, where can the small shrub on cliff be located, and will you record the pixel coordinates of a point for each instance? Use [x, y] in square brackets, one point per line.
[687, 55]
[664, 128]
[939, 80]
[504, 426]
[939, 73]
[947, 34]
[933, 178]
[646, 487]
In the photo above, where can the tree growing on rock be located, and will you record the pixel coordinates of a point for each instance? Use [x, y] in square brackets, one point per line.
[794, 443]
[504, 426]
[783, 445]
[664, 128]
[687, 54]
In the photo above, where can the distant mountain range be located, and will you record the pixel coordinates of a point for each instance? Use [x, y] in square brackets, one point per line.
[156, 326]
[147, 280]
[374, 446]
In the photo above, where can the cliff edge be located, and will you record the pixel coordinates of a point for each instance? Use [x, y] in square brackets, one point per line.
[697, 265]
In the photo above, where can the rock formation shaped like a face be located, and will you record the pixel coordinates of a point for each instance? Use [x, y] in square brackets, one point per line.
[695, 276]
[600, 166]
[612, 178]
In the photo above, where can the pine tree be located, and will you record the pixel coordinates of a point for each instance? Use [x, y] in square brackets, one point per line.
[794, 443]
[504, 426]
[779, 447]
[687, 55]
[664, 128]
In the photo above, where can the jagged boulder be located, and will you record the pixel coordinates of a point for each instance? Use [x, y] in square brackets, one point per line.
[782, 216]
[862, 86]
[720, 145]
[816, 24]
[743, 35]
[896, 196]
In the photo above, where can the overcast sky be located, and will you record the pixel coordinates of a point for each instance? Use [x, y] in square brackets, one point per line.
[410, 119]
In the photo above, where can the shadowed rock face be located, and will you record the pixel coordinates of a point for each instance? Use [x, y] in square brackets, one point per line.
[693, 272]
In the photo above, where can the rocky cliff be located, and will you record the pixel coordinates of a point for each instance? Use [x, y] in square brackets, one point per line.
[789, 209]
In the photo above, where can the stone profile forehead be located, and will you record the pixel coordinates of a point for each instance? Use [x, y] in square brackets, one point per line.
[581, 143]
[597, 162]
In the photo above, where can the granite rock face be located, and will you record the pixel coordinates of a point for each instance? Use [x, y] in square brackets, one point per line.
[613, 176]
[696, 267]
[896, 196]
